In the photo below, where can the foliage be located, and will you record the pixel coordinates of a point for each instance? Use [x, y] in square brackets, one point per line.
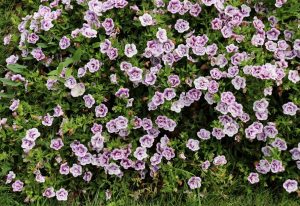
[95, 99]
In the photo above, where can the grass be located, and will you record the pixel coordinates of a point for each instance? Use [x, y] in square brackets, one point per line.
[261, 197]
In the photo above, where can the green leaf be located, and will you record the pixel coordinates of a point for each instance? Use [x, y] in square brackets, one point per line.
[17, 68]
[68, 72]
[42, 45]
[9, 82]
[8, 96]
[53, 73]
[77, 55]
[61, 65]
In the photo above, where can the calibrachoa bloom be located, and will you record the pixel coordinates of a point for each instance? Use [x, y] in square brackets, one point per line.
[17, 186]
[49, 192]
[76, 170]
[290, 185]
[56, 144]
[194, 182]
[193, 144]
[9, 177]
[220, 160]
[290, 108]
[130, 50]
[146, 19]
[64, 43]
[14, 105]
[61, 194]
[253, 177]
[12, 59]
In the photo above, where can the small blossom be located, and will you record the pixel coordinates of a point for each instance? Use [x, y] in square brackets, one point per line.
[290, 108]
[17, 186]
[56, 144]
[61, 194]
[194, 182]
[290, 185]
[64, 43]
[253, 177]
[146, 20]
[49, 192]
[193, 145]
[130, 50]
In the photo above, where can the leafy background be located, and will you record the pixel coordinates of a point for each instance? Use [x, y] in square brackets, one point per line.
[228, 182]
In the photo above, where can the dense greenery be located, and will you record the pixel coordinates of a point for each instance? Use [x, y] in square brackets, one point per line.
[34, 85]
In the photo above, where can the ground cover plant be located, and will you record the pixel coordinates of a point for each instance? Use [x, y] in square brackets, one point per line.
[142, 98]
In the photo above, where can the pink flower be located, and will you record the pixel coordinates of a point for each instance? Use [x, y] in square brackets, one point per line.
[89, 33]
[146, 20]
[182, 25]
[193, 145]
[130, 50]
[194, 182]
[253, 177]
[76, 170]
[17, 186]
[15, 104]
[140, 153]
[101, 110]
[89, 100]
[61, 194]
[9, 177]
[38, 54]
[290, 109]
[174, 6]
[290, 185]
[64, 169]
[220, 160]
[56, 144]
[12, 59]
[47, 120]
[64, 43]
[49, 192]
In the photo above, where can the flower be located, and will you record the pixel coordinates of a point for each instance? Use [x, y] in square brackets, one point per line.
[7, 39]
[290, 108]
[93, 65]
[47, 120]
[61, 194]
[38, 54]
[32, 134]
[49, 192]
[253, 177]
[64, 42]
[220, 160]
[174, 6]
[89, 100]
[181, 25]
[194, 182]
[64, 169]
[78, 90]
[89, 32]
[290, 185]
[140, 153]
[12, 59]
[14, 105]
[146, 19]
[10, 176]
[130, 50]
[56, 144]
[76, 170]
[193, 145]
[17, 186]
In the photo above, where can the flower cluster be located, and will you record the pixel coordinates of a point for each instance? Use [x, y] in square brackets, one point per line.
[133, 89]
